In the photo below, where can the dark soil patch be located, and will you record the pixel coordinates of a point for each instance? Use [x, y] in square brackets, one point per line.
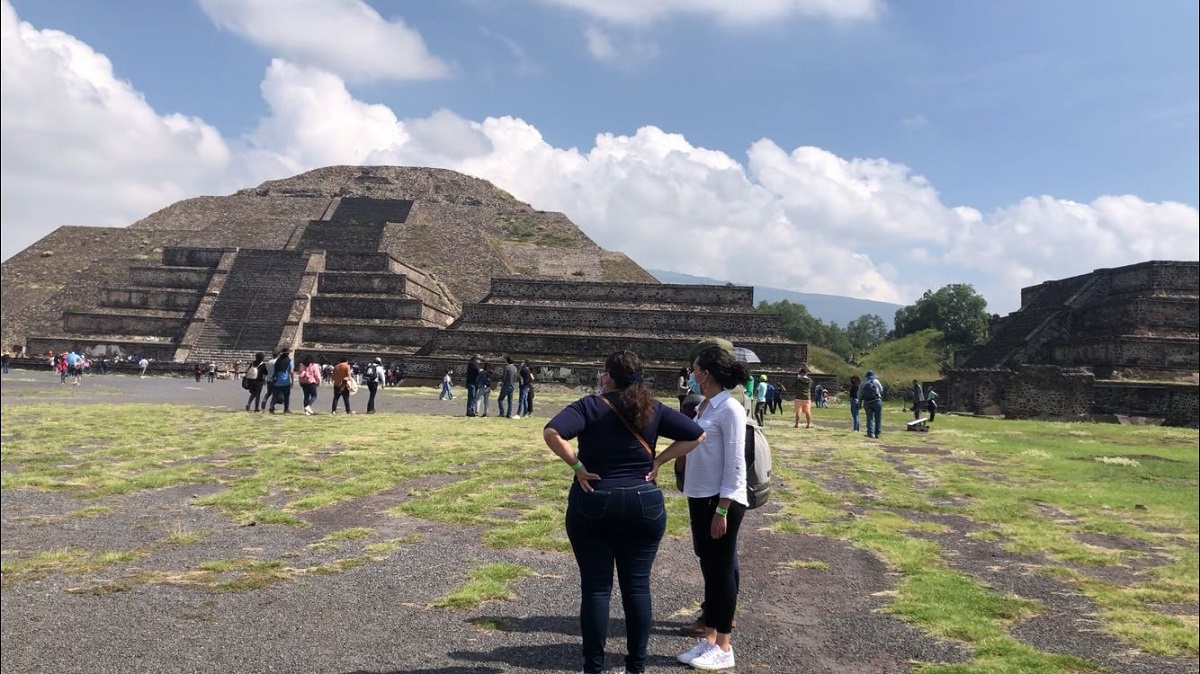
[1067, 622]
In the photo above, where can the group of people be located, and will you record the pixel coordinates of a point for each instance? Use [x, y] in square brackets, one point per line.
[615, 508]
[71, 366]
[269, 382]
[514, 378]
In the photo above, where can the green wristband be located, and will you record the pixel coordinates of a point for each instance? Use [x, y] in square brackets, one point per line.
[577, 466]
[722, 511]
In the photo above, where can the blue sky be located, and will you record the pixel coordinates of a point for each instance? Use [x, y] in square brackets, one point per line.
[854, 147]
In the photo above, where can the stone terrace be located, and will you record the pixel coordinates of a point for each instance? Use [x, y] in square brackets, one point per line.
[546, 318]
[1123, 341]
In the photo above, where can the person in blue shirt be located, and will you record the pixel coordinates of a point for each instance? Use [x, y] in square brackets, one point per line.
[615, 511]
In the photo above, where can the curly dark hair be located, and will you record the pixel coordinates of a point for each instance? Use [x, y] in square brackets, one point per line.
[721, 366]
[635, 401]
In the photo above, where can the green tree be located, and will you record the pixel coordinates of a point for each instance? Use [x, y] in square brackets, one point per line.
[956, 310]
[866, 331]
[802, 326]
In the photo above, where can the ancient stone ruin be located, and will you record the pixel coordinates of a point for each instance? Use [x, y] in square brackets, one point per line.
[362, 262]
[1119, 342]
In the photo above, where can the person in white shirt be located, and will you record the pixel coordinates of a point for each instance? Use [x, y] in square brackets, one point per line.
[715, 485]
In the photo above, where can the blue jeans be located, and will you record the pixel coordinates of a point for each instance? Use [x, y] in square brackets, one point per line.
[621, 526]
[447, 392]
[854, 407]
[874, 417]
[310, 394]
[472, 394]
[505, 394]
[523, 401]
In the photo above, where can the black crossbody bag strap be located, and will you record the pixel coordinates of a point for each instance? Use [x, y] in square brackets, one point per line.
[628, 426]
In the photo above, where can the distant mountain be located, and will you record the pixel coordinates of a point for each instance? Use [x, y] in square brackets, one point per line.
[828, 308]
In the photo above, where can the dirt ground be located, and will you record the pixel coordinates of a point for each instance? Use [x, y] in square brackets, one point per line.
[378, 618]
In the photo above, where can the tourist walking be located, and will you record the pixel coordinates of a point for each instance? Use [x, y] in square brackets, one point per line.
[615, 510]
[931, 403]
[447, 392]
[715, 485]
[342, 379]
[254, 380]
[918, 399]
[283, 382]
[373, 375]
[760, 400]
[870, 394]
[309, 376]
[855, 404]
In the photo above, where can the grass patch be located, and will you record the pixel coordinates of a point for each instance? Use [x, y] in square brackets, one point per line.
[1071, 500]
[485, 583]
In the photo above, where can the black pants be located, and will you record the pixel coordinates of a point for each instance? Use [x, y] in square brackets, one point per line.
[255, 392]
[760, 411]
[341, 393]
[373, 387]
[718, 560]
[282, 396]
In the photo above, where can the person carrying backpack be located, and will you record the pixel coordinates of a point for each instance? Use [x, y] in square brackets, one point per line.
[716, 486]
[372, 377]
[870, 396]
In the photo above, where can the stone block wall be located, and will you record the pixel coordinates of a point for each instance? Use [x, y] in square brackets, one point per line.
[93, 323]
[616, 317]
[410, 337]
[544, 345]
[158, 299]
[1175, 404]
[1048, 391]
[155, 350]
[343, 261]
[1157, 277]
[1149, 352]
[363, 283]
[380, 306]
[1136, 315]
[730, 297]
[194, 278]
[180, 256]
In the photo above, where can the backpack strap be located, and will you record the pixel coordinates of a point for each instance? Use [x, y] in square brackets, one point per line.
[628, 426]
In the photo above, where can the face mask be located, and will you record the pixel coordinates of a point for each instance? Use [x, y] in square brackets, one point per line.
[692, 385]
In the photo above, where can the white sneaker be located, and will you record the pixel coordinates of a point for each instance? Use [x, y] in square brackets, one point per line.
[516, 416]
[714, 659]
[694, 652]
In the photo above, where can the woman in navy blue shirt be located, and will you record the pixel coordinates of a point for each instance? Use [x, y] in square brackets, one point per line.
[615, 511]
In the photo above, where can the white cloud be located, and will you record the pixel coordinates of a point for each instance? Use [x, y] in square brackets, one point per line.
[347, 37]
[620, 51]
[82, 147]
[723, 11]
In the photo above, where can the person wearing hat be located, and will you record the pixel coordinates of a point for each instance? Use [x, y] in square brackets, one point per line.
[870, 396]
[373, 376]
[760, 399]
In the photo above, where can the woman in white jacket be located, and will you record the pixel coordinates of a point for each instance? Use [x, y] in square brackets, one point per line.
[715, 485]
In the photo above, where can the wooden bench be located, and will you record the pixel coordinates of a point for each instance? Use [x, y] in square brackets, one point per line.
[920, 425]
